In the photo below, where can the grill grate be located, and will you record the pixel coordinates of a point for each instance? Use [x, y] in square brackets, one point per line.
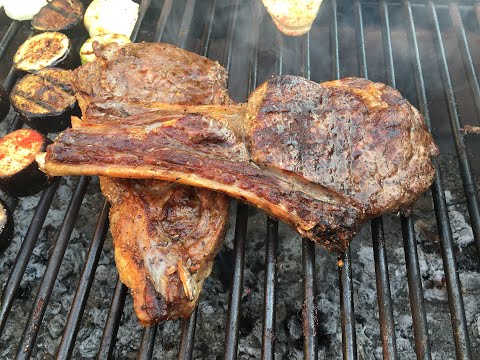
[309, 310]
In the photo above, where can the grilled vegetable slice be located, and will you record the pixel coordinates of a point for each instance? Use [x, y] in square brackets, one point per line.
[19, 173]
[111, 17]
[43, 50]
[6, 226]
[4, 103]
[46, 100]
[86, 51]
[58, 15]
[23, 9]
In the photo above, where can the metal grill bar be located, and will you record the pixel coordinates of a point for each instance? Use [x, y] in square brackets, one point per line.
[349, 340]
[457, 310]
[385, 303]
[144, 5]
[309, 310]
[349, 337]
[9, 36]
[466, 54]
[420, 329]
[186, 22]
[231, 337]
[83, 289]
[207, 30]
[268, 334]
[11, 286]
[32, 327]
[9, 81]
[227, 55]
[188, 336]
[113, 321]
[384, 298]
[234, 301]
[422, 341]
[148, 342]
[464, 162]
[162, 20]
[188, 325]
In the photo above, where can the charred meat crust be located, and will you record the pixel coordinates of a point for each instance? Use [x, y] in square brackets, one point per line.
[324, 158]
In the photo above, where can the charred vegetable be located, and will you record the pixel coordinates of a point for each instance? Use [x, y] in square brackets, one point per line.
[6, 226]
[45, 100]
[4, 103]
[19, 173]
[86, 51]
[23, 9]
[111, 17]
[43, 50]
[58, 15]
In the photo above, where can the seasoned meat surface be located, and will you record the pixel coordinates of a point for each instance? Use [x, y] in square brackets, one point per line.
[165, 235]
[322, 157]
[152, 72]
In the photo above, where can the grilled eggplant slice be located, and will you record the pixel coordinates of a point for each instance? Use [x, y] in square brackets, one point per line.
[6, 226]
[44, 50]
[19, 173]
[59, 15]
[4, 103]
[46, 100]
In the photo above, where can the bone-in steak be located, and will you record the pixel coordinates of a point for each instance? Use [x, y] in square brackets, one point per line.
[322, 157]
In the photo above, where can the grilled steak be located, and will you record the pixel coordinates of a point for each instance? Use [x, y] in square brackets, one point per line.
[151, 72]
[322, 157]
[165, 235]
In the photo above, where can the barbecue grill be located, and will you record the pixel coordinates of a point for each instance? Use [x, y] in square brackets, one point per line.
[413, 46]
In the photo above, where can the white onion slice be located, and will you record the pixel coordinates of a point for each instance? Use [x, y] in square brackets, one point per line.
[23, 9]
[111, 17]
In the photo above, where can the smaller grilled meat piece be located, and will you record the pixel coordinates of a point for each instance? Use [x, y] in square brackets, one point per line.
[165, 235]
[151, 72]
[324, 158]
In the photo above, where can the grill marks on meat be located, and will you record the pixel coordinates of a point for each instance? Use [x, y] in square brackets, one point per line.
[165, 235]
[322, 157]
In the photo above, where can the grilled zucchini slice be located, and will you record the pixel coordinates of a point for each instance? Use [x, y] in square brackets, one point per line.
[44, 50]
[86, 51]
